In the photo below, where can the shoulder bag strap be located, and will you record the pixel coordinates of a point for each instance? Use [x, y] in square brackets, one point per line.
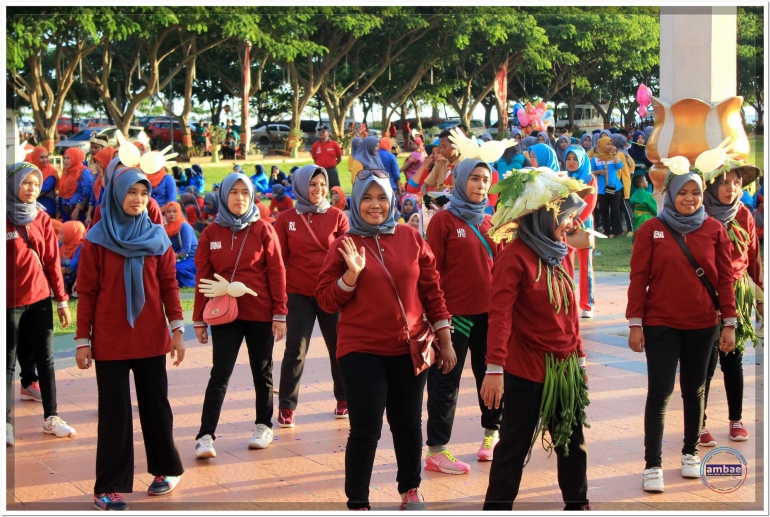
[29, 243]
[698, 270]
[483, 241]
[312, 233]
[237, 260]
[377, 257]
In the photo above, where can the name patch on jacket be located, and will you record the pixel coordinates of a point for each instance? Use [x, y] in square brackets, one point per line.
[292, 226]
[657, 234]
[215, 245]
[461, 232]
[9, 236]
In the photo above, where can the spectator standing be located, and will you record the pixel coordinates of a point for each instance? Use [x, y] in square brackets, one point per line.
[327, 154]
[414, 161]
[389, 163]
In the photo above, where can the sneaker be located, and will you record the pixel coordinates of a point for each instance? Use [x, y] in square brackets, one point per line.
[262, 437]
[412, 501]
[31, 392]
[9, 440]
[652, 480]
[738, 433]
[487, 447]
[587, 314]
[690, 466]
[286, 417]
[341, 411]
[163, 485]
[204, 447]
[444, 462]
[630, 234]
[112, 501]
[57, 426]
[706, 440]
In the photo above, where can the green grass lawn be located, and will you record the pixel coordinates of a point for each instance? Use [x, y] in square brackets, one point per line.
[614, 254]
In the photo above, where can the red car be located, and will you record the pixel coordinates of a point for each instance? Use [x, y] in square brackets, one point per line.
[160, 131]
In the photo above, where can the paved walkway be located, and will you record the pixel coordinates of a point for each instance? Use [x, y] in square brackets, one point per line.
[304, 468]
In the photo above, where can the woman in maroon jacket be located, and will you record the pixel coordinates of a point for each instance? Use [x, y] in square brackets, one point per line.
[305, 233]
[33, 270]
[239, 236]
[372, 348]
[672, 318]
[722, 200]
[524, 326]
[464, 258]
[127, 287]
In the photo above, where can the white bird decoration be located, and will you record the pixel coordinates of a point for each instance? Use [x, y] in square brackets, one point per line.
[471, 148]
[678, 165]
[709, 160]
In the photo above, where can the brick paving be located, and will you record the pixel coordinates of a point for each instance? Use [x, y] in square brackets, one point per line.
[304, 468]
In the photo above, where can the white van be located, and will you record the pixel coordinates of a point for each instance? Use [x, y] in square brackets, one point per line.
[585, 118]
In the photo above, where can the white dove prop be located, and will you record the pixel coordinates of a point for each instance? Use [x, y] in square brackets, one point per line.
[221, 287]
[471, 148]
[16, 154]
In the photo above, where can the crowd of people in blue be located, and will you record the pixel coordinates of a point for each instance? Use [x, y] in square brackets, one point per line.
[392, 266]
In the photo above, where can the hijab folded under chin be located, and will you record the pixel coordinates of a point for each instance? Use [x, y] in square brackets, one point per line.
[133, 237]
[546, 156]
[225, 217]
[715, 208]
[302, 178]
[459, 203]
[366, 153]
[357, 224]
[682, 224]
[19, 212]
[527, 142]
[536, 229]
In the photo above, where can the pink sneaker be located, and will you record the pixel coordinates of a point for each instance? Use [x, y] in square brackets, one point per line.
[738, 433]
[444, 462]
[412, 500]
[706, 439]
[488, 447]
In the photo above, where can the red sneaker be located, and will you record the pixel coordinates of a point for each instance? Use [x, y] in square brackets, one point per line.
[341, 411]
[738, 433]
[286, 418]
[412, 500]
[706, 440]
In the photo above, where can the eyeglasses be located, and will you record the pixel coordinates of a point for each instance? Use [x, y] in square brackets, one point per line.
[366, 173]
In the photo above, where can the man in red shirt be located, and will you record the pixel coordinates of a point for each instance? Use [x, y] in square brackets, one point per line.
[327, 154]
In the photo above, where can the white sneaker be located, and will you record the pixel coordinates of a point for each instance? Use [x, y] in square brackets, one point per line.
[690, 466]
[9, 440]
[263, 436]
[57, 426]
[204, 447]
[652, 480]
[587, 314]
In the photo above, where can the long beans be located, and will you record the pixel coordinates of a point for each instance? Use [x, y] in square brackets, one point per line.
[744, 303]
[562, 404]
[560, 286]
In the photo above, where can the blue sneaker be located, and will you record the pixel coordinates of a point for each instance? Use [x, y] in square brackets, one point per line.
[111, 501]
[163, 485]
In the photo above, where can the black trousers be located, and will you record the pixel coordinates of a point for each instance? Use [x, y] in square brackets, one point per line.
[609, 205]
[303, 311]
[732, 369]
[115, 432]
[334, 177]
[26, 356]
[521, 404]
[226, 342]
[666, 347]
[32, 327]
[443, 389]
[374, 383]
[625, 209]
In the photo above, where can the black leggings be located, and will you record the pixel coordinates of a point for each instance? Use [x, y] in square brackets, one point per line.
[610, 209]
[666, 348]
[374, 383]
[732, 369]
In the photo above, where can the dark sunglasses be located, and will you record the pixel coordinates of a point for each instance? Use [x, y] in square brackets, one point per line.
[366, 173]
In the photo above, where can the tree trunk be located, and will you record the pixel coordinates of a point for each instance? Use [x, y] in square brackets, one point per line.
[434, 111]
[185, 115]
[488, 113]
[245, 133]
[386, 113]
[417, 115]
[296, 106]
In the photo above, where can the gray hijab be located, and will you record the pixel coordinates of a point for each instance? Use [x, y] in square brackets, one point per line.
[301, 185]
[715, 208]
[536, 229]
[367, 153]
[620, 142]
[459, 204]
[110, 170]
[528, 141]
[582, 139]
[682, 224]
[225, 217]
[19, 212]
[357, 224]
[562, 153]
[648, 130]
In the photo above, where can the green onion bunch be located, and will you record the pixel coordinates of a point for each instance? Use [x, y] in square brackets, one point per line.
[744, 303]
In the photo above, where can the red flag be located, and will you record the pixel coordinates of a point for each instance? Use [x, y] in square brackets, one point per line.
[501, 91]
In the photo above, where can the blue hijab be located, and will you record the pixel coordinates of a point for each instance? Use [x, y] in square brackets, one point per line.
[225, 217]
[545, 155]
[638, 151]
[366, 153]
[238, 169]
[583, 172]
[357, 224]
[459, 204]
[133, 237]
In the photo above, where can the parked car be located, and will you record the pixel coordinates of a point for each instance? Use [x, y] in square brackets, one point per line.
[64, 126]
[145, 121]
[160, 132]
[95, 122]
[267, 133]
[82, 139]
[477, 126]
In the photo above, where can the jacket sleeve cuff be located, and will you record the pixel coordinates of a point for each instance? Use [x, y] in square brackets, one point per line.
[495, 369]
[440, 324]
[345, 287]
[201, 324]
[730, 322]
[279, 317]
[634, 322]
[176, 324]
[82, 342]
[61, 305]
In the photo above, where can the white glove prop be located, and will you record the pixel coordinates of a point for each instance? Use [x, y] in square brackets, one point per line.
[238, 289]
[153, 162]
[678, 165]
[468, 148]
[492, 151]
[221, 287]
[128, 153]
[709, 160]
[16, 154]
